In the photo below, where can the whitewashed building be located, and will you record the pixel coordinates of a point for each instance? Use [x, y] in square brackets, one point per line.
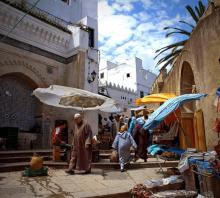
[124, 82]
[42, 43]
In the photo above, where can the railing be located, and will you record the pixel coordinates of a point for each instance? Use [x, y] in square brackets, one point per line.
[39, 14]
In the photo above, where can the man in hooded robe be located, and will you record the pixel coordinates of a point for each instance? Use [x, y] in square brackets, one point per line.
[81, 157]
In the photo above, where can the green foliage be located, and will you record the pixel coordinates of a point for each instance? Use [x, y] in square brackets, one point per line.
[175, 49]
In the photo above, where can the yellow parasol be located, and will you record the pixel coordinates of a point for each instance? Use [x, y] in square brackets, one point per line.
[154, 98]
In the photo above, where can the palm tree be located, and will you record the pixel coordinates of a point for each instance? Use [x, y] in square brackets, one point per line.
[176, 48]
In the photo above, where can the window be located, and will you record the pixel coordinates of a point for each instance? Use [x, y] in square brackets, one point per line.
[141, 94]
[102, 75]
[128, 75]
[91, 37]
[66, 1]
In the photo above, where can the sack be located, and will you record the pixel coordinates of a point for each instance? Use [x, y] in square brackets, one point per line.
[216, 125]
[114, 156]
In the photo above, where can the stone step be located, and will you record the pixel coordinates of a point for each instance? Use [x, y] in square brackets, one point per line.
[47, 152]
[104, 164]
[22, 153]
[114, 195]
[21, 159]
[105, 151]
[107, 155]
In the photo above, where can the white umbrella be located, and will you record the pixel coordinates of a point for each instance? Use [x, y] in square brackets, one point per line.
[68, 97]
[116, 108]
[138, 108]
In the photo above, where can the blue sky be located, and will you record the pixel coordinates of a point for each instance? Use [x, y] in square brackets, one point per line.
[129, 28]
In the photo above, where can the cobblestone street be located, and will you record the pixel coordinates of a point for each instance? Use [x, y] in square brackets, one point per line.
[60, 185]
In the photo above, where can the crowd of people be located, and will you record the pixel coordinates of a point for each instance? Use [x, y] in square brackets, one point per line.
[127, 133]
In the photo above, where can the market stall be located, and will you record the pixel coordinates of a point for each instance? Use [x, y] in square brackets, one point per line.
[200, 170]
[167, 131]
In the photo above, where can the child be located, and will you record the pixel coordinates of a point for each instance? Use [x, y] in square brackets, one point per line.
[122, 143]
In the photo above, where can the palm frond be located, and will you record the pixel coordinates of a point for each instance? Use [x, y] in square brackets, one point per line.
[178, 32]
[170, 61]
[173, 28]
[180, 43]
[168, 48]
[167, 57]
[192, 26]
[192, 13]
[198, 11]
[176, 48]
[202, 7]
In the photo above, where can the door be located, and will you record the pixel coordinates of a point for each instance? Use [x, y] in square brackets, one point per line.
[200, 141]
[186, 134]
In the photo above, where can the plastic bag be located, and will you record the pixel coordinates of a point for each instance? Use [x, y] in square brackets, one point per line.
[114, 156]
[183, 165]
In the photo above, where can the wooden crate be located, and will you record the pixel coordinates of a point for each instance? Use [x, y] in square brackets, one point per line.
[190, 180]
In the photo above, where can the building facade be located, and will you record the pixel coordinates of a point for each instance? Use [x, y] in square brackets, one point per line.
[125, 82]
[197, 70]
[123, 96]
[44, 43]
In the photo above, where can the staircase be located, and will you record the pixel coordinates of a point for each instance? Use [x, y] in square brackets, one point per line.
[18, 160]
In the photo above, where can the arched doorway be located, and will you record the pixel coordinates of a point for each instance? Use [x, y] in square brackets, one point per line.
[19, 110]
[186, 85]
[192, 119]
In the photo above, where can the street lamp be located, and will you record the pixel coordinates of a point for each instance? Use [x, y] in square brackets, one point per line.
[91, 77]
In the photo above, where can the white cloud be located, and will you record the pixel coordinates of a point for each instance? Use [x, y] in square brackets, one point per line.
[147, 3]
[114, 29]
[123, 7]
[125, 36]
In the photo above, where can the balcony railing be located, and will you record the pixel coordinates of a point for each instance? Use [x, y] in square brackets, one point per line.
[39, 14]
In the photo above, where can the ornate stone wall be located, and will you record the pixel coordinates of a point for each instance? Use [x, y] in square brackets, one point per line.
[18, 108]
[45, 55]
[201, 52]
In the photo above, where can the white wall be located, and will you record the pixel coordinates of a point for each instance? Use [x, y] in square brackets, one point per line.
[116, 74]
[76, 10]
[123, 97]
[139, 80]
[144, 79]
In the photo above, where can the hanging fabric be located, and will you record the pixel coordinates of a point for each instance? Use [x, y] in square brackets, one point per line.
[216, 125]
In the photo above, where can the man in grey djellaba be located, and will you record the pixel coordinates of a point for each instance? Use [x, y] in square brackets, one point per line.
[123, 143]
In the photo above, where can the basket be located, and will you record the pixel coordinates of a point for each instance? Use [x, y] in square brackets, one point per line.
[28, 172]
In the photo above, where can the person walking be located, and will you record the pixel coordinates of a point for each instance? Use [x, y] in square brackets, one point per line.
[141, 138]
[81, 156]
[122, 143]
[57, 136]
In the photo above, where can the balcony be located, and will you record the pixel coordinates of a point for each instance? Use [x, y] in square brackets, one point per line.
[39, 14]
[40, 30]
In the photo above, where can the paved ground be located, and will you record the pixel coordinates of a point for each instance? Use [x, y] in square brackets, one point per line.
[60, 185]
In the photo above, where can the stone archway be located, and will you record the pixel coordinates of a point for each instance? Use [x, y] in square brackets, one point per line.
[192, 120]
[187, 84]
[19, 109]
